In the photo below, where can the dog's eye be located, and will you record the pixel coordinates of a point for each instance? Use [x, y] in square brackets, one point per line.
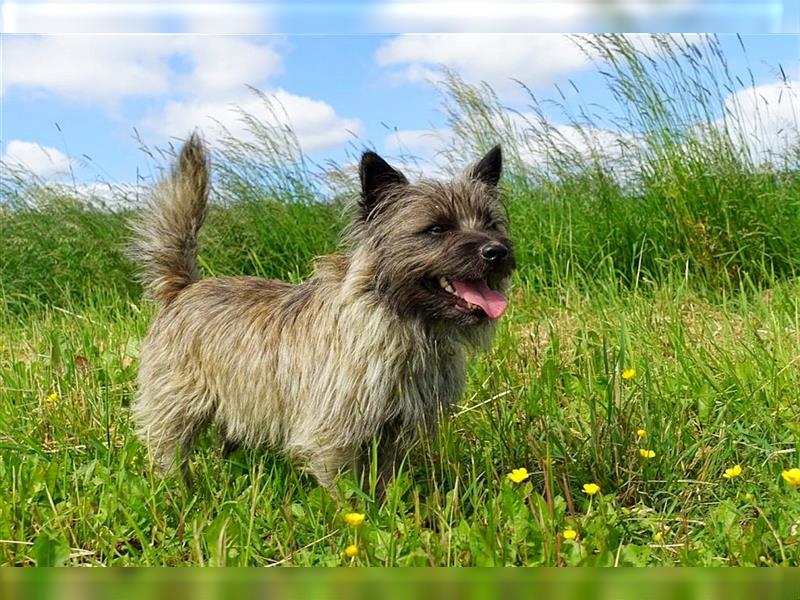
[437, 229]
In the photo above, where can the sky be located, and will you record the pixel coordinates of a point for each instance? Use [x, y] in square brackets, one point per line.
[82, 84]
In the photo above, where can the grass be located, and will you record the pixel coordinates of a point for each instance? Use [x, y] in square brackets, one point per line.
[685, 274]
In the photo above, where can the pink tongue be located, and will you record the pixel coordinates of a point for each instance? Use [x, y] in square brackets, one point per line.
[477, 292]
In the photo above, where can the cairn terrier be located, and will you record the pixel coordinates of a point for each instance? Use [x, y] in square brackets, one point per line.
[371, 346]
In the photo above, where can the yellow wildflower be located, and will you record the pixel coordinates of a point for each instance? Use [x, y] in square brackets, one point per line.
[351, 551]
[591, 488]
[628, 374]
[658, 537]
[641, 433]
[518, 475]
[647, 453]
[354, 519]
[569, 534]
[734, 471]
[52, 397]
[792, 477]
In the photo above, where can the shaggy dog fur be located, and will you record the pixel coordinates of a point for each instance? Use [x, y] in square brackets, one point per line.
[372, 344]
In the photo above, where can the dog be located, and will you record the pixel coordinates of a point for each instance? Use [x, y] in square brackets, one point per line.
[370, 347]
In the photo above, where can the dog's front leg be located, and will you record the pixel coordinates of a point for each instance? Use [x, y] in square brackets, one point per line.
[390, 447]
[388, 454]
[324, 464]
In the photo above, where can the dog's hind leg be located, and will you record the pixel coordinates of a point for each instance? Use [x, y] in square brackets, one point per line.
[169, 424]
[187, 443]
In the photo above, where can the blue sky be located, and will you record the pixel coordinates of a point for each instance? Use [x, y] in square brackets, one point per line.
[73, 101]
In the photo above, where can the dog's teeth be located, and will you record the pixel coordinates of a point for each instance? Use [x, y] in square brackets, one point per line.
[446, 285]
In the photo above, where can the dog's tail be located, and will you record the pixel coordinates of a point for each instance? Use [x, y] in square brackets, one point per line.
[165, 234]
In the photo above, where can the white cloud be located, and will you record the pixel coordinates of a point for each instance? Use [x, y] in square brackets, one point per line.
[85, 68]
[221, 65]
[618, 152]
[538, 60]
[639, 13]
[494, 58]
[766, 119]
[541, 142]
[526, 15]
[76, 17]
[116, 196]
[106, 69]
[125, 16]
[497, 16]
[43, 161]
[315, 122]
[227, 17]
[187, 82]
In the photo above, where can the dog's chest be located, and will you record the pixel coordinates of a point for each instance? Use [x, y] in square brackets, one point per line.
[423, 377]
[368, 367]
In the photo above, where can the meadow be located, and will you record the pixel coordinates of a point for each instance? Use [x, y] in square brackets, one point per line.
[651, 348]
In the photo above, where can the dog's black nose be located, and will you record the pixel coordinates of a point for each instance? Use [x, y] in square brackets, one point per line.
[494, 251]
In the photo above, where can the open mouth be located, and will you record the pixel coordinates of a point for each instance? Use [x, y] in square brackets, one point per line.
[473, 296]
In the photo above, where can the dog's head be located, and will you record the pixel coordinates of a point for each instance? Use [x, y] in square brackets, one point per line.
[438, 250]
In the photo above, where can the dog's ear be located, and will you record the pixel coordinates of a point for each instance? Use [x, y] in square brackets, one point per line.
[488, 169]
[377, 177]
